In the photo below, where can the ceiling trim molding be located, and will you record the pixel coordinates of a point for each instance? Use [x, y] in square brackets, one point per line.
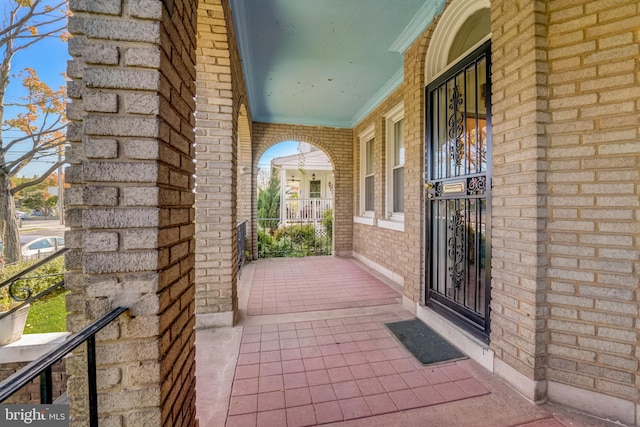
[421, 20]
[240, 21]
[391, 85]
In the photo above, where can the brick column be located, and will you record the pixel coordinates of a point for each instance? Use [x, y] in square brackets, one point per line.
[216, 137]
[594, 164]
[519, 262]
[130, 207]
[246, 197]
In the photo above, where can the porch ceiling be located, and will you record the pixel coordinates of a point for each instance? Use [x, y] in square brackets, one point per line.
[325, 62]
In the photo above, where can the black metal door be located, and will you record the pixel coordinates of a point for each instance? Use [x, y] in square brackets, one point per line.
[458, 183]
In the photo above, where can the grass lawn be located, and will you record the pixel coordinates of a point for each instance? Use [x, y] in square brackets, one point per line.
[48, 315]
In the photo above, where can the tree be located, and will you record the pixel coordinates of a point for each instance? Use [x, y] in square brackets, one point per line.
[42, 121]
[269, 203]
[40, 202]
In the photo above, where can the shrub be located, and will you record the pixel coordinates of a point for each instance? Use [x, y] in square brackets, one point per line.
[48, 275]
[297, 233]
[328, 221]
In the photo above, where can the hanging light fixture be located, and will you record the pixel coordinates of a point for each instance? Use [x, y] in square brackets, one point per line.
[313, 176]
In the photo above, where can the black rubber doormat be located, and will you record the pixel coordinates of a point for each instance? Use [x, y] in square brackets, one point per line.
[423, 342]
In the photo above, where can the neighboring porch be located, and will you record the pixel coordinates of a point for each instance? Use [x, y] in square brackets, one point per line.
[333, 360]
[305, 209]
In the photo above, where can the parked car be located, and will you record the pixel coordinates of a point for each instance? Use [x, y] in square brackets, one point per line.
[40, 248]
[22, 215]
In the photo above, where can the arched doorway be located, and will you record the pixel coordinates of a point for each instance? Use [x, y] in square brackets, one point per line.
[295, 201]
[458, 167]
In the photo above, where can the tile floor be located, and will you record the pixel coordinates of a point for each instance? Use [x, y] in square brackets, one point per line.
[316, 372]
[310, 348]
[312, 284]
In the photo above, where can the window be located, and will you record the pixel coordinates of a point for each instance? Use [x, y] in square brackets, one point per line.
[367, 172]
[397, 165]
[314, 189]
[367, 177]
[394, 203]
[41, 244]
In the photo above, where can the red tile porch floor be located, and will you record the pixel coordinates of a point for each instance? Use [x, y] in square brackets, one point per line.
[339, 365]
[314, 283]
[316, 372]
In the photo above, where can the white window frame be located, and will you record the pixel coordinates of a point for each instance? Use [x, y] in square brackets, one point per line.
[365, 217]
[393, 220]
[320, 180]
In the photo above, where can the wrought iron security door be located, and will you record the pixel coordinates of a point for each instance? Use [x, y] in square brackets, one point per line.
[458, 185]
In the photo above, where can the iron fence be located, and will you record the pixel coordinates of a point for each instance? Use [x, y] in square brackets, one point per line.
[242, 243]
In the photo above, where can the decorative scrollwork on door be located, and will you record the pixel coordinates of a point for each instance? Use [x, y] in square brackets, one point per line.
[477, 185]
[456, 125]
[456, 250]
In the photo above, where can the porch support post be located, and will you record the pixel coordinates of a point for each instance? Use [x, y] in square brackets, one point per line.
[216, 146]
[283, 195]
[130, 208]
[245, 195]
[519, 220]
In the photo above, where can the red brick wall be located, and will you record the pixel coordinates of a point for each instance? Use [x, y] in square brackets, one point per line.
[30, 393]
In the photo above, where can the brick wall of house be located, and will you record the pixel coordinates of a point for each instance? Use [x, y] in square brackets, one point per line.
[407, 247]
[519, 217]
[337, 144]
[221, 92]
[401, 250]
[414, 199]
[30, 393]
[593, 198]
[130, 208]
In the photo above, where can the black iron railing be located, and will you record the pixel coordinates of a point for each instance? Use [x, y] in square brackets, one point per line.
[242, 243]
[42, 366]
[21, 294]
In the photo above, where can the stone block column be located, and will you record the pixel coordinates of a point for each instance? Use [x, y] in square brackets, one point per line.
[130, 207]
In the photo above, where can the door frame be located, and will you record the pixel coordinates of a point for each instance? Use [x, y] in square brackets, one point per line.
[470, 322]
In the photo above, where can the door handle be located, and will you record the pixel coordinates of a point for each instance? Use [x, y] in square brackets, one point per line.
[428, 186]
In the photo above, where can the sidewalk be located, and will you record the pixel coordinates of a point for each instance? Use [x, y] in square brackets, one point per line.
[335, 365]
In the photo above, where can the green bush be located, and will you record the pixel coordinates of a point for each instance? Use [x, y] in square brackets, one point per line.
[328, 221]
[297, 233]
[292, 241]
[49, 274]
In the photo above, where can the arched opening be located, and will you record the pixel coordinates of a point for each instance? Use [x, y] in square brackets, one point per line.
[463, 25]
[244, 195]
[475, 29]
[295, 184]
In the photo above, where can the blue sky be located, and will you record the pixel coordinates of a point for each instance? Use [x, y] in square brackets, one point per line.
[282, 149]
[49, 58]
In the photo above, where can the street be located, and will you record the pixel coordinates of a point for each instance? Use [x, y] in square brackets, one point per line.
[35, 228]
